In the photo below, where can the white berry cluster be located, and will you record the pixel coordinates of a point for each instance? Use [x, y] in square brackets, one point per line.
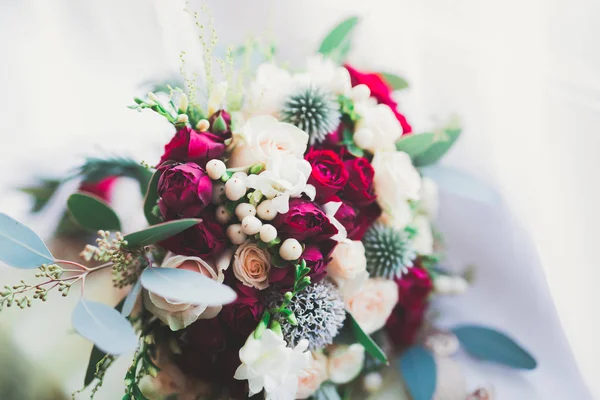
[246, 211]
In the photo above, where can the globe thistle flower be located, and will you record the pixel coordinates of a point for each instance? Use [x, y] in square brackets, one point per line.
[314, 111]
[388, 251]
[320, 313]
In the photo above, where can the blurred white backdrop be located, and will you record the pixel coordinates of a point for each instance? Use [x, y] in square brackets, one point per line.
[523, 75]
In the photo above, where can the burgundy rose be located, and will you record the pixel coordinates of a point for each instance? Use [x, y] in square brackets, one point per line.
[359, 189]
[407, 317]
[103, 188]
[189, 145]
[380, 90]
[357, 220]
[203, 240]
[305, 222]
[184, 190]
[242, 316]
[316, 258]
[328, 174]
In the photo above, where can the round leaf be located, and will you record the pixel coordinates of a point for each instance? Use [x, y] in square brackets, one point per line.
[159, 232]
[415, 144]
[183, 286]
[92, 213]
[131, 299]
[105, 327]
[20, 247]
[396, 82]
[420, 372]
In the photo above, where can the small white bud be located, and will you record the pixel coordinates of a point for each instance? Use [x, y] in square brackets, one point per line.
[223, 216]
[290, 249]
[443, 284]
[244, 209]
[215, 169]
[182, 119]
[202, 125]
[266, 211]
[240, 174]
[251, 225]
[218, 192]
[235, 189]
[363, 138]
[183, 103]
[153, 97]
[268, 233]
[372, 382]
[235, 234]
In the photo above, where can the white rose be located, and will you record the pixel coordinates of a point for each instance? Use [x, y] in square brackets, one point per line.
[268, 90]
[180, 315]
[422, 243]
[345, 363]
[396, 181]
[326, 74]
[348, 261]
[372, 305]
[379, 127]
[263, 138]
[429, 197]
[316, 375]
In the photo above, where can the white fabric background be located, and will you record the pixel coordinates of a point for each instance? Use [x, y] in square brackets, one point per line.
[522, 74]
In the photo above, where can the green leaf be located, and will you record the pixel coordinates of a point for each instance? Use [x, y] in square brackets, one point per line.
[442, 142]
[396, 82]
[20, 247]
[151, 199]
[368, 343]
[420, 372]
[96, 169]
[159, 232]
[96, 356]
[92, 213]
[488, 344]
[415, 144]
[42, 192]
[337, 43]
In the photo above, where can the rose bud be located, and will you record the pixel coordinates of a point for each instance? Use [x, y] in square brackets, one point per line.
[190, 146]
[329, 175]
[220, 124]
[184, 191]
[304, 221]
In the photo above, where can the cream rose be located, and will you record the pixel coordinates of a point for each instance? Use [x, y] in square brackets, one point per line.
[429, 197]
[316, 375]
[422, 243]
[396, 181]
[378, 129]
[373, 303]
[180, 315]
[345, 363]
[251, 265]
[348, 261]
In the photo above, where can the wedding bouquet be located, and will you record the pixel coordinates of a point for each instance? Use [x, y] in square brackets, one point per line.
[290, 251]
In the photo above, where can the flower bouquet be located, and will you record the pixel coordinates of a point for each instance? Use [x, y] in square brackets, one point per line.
[289, 251]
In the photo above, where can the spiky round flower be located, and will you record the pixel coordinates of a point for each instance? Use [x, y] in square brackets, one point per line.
[314, 111]
[319, 310]
[388, 251]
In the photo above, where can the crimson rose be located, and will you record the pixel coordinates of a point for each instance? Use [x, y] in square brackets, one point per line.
[357, 220]
[328, 174]
[359, 189]
[380, 90]
[189, 145]
[184, 190]
[304, 222]
[204, 240]
[242, 316]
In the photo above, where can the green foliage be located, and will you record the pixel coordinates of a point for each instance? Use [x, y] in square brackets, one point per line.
[337, 43]
[428, 148]
[159, 232]
[419, 371]
[396, 82]
[366, 341]
[42, 192]
[92, 213]
[96, 169]
[151, 200]
[143, 365]
[388, 251]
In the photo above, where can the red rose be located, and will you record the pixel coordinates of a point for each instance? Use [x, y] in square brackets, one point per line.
[357, 221]
[359, 189]
[242, 316]
[407, 317]
[184, 191]
[189, 145]
[328, 173]
[304, 222]
[203, 240]
[103, 188]
[380, 90]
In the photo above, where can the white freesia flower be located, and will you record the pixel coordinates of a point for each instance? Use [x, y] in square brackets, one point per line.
[268, 90]
[422, 243]
[217, 97]
[267, 363]
[324, 73]
[330, 209]
[180, 315]
[345, 363]
[378, 127]
[396, 181]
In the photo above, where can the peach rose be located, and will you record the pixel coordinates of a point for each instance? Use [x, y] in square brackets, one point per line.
[251, 265]
[316, 375]
[180, 315]
[373, 303]
[348, 261]
[345, 362]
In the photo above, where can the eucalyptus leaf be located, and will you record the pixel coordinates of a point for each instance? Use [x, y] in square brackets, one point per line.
[184, 286]
[159, 232]
[327, 391]
[396, 82]
[442, 142]
[92, 213]
[104, 326]
[42, 192]
[96, 356]
[415, 144]
[367, 342]
[151, 199]
[419, 371]
[454, 181]
[131, 299]
[491, 345]
[20, 247]
[337, 43]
